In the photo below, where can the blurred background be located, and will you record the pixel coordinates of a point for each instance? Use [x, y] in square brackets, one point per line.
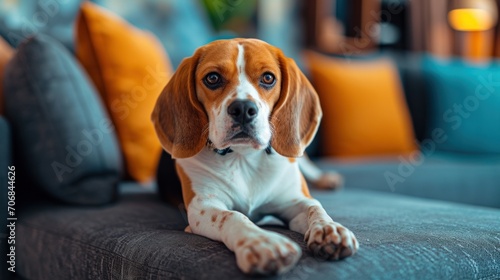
[466, 28]
[395, 77]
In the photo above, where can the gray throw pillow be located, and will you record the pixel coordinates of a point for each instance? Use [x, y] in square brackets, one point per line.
[61, 132]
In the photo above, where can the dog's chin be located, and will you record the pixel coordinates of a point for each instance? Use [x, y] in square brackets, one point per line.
[244, 140]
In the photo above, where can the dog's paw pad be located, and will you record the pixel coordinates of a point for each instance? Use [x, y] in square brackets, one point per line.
[330, 241]
[267, 253]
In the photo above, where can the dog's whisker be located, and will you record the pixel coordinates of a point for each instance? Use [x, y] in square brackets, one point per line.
[205, 131]
[272, 129]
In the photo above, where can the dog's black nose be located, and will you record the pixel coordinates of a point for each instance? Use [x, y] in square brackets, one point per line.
[242, 111]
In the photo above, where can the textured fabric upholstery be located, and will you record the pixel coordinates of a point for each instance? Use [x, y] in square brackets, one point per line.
[64, 140]
[141, 237]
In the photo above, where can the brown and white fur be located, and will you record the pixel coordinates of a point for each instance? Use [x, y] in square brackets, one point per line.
[246, 96]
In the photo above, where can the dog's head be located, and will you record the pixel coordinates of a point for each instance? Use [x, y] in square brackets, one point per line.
[240, 92]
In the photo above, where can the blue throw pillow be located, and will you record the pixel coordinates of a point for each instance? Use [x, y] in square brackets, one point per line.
[63, 138]
[464, 105]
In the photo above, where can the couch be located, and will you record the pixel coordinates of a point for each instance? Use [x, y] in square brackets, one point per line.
[441, 222]
[141, 237]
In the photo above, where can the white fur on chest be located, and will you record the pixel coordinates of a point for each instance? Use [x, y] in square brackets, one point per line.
[245, 180]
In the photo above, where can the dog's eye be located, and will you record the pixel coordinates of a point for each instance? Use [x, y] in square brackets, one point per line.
[267, 80]
[212, 80]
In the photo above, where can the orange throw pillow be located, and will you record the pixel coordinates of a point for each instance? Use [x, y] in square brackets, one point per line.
[364, 109]
[129, 67]
[6, 53]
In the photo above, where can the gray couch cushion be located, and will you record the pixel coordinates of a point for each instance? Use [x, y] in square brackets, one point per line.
[452, 177]
[142, 238]
[64, 140]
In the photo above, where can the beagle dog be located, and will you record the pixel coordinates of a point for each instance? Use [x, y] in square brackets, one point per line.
[235, 116]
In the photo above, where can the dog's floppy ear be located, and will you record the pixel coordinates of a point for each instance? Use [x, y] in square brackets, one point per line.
[297, 113]
[178, 117]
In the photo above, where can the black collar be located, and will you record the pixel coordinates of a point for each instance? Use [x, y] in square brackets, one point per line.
[223, 152]
[228, 150]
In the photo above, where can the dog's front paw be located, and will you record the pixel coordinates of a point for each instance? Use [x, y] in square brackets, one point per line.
[330, 240]
[266, 253]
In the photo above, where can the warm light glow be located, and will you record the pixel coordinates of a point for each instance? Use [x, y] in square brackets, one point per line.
[471, 19]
